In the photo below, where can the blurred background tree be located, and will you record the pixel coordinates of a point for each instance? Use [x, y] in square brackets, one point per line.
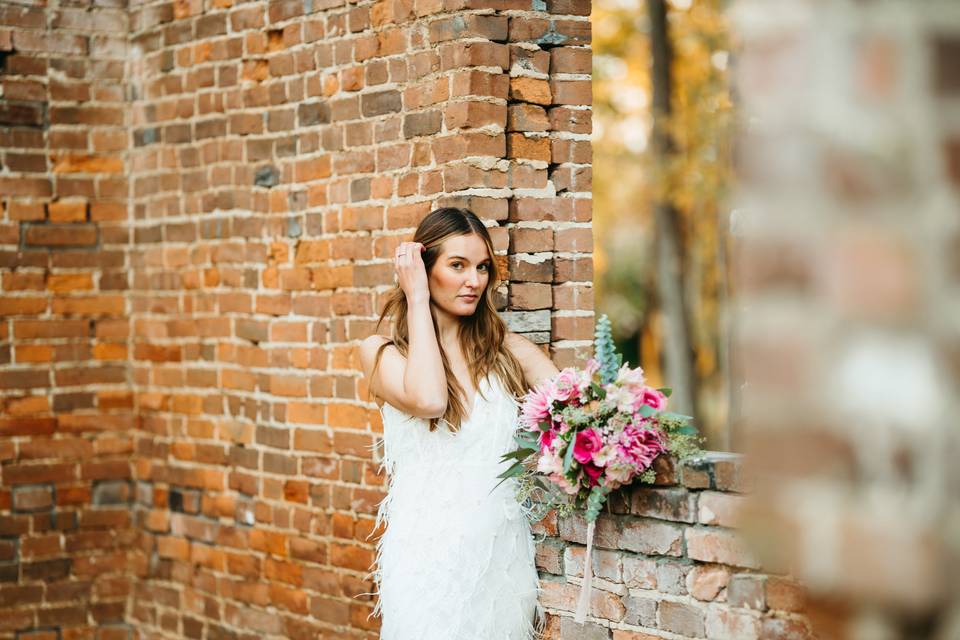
[663, 119]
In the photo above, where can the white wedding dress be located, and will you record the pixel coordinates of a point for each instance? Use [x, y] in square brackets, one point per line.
[456, 561]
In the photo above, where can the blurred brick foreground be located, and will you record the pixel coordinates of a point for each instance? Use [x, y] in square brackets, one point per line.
[847, 229]
[199, 201]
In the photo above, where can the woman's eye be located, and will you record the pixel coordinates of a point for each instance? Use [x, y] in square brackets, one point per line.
[484, 266]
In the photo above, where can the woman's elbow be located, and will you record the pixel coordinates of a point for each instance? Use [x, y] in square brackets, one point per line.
[432, 407]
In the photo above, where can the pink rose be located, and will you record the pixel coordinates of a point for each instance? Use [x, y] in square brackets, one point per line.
[593, 472]
[587, 443]
[566, 385]
[653, 398]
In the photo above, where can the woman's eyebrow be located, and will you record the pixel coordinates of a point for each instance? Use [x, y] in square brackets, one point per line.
[465, 259]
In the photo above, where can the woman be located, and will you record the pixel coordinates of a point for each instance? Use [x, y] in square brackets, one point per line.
[456, 560]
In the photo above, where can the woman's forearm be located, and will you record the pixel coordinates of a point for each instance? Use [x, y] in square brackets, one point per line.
[424, 378]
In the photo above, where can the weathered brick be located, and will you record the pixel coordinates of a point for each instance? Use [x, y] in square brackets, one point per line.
[724, 546]
[684, 619]
[728, 624]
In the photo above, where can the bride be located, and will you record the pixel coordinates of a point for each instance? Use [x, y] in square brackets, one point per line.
[456, 559]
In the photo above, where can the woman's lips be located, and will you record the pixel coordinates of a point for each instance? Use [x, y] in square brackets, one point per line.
[471, 298]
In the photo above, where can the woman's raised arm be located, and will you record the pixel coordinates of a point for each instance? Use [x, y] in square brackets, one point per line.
[416, 383]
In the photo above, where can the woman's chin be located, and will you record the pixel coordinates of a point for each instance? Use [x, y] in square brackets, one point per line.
[466, 308]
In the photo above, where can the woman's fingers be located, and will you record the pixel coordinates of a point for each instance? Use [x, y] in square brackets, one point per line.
[409, 268]
[407, 250]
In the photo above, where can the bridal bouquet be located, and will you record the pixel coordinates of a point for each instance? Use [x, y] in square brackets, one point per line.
[588, 431]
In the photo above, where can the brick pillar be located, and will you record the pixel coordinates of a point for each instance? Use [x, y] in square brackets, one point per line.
[66, 414]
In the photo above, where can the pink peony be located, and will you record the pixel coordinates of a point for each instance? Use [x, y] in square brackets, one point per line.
[536, 406]
[639, 446]
[618, 474]
[587, 443]
[605, 456]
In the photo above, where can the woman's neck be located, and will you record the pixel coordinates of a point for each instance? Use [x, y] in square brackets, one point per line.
[449, 326]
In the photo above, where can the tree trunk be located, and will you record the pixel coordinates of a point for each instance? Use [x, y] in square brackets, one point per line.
[678, 358]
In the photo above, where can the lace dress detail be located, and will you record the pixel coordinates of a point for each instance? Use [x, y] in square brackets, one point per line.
[456, 559]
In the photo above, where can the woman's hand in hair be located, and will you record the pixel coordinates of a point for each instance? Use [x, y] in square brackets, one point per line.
[411, 272]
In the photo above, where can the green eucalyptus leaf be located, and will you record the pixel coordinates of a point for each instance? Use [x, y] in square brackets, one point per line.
[515, 469]
[568, 457]
[518, 454]
[527, 441]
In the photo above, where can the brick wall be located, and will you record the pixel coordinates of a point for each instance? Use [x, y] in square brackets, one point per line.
[669, 562]
[200, 202]
[66, 414]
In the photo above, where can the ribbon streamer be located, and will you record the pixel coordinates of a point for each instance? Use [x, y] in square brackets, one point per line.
[583, 603]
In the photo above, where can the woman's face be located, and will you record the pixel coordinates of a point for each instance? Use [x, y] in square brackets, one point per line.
[462, 270]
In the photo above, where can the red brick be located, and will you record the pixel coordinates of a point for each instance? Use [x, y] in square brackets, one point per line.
[61, 235]
[474, 114]
[529, 295]
[474, 54]
[529, 148]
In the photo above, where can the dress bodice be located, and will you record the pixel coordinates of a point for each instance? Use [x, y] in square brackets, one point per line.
[483, 437]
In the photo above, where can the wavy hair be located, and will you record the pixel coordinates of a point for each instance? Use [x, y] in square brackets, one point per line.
[481, 335]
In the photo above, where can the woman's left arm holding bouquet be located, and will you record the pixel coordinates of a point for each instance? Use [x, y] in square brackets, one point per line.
[537, 365]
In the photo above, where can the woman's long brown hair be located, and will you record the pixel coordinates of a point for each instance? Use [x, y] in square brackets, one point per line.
[481, 335]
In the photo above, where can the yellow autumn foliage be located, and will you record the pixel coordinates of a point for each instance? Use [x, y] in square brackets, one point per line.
[695, 177]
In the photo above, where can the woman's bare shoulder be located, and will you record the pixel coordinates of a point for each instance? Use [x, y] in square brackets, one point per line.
[369, 347]
[536, 364]
[374, 340]
[519, 343]
[368, 353]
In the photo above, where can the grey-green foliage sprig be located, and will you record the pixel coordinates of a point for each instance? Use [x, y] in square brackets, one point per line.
[605, 351]
[595, 502]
